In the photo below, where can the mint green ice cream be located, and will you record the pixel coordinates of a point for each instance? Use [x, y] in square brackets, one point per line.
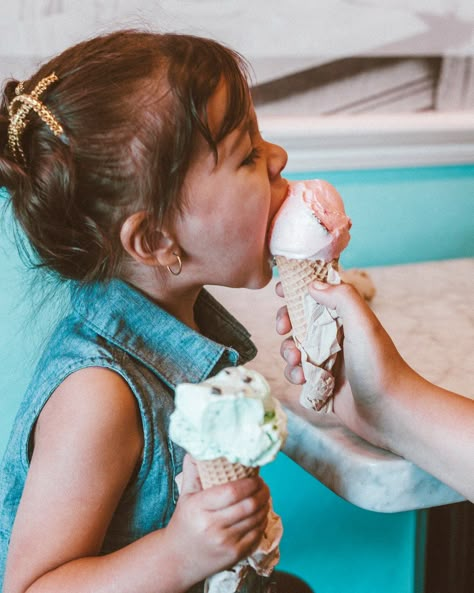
[231, 415]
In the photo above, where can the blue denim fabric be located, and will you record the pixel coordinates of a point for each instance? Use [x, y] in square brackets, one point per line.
[116, 327]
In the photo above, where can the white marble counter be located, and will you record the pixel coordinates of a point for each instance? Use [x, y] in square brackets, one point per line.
[427, 309]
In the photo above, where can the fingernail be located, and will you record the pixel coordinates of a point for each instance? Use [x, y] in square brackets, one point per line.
[296, 374]
[319, 285]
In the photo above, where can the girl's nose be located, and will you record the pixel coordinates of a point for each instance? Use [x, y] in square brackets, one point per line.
[277, 158]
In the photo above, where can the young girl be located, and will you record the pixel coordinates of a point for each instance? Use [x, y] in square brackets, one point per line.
[137, 172]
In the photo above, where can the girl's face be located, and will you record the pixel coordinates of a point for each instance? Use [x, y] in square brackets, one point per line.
[223, 230]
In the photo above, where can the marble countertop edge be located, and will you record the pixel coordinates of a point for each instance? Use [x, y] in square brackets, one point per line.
[368, 477]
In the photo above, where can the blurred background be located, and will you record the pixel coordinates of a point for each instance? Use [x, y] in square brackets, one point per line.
[308, 57]
[377, 96]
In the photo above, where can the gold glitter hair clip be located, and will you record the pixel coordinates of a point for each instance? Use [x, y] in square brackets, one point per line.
[19, 109]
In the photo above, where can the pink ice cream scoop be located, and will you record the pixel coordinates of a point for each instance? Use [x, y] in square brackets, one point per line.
[308, 233]
[311, 223]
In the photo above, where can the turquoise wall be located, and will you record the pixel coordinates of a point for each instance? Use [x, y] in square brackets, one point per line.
[399, 216]
[406, 215]
[338, 547]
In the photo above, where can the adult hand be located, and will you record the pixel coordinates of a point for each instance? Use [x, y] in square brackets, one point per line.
[388, 403]
[370, 365]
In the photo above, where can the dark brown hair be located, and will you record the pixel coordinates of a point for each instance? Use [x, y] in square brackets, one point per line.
[132, 104]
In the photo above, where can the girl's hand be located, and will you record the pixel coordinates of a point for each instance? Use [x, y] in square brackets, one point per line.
[213, 529]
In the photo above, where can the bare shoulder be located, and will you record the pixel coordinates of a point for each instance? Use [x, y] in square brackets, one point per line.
[95, 405]
[91, 400]
[92, 424]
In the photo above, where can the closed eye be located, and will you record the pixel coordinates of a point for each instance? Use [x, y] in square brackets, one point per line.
[252, 157]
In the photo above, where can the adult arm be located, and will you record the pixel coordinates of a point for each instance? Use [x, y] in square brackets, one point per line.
[381, 398]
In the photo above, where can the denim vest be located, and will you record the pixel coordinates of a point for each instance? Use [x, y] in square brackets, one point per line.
[116, 327]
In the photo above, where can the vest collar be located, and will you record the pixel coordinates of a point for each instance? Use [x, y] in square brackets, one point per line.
[130, 320]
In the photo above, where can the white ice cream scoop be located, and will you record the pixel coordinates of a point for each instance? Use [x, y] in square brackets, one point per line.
[311, 223]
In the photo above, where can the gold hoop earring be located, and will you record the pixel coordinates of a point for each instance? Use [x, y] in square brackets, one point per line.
[180, 266]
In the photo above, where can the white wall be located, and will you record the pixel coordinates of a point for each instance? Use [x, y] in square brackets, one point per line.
[278, 37]
[397, 56]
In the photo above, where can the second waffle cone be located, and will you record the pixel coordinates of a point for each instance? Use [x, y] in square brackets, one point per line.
[220, 471]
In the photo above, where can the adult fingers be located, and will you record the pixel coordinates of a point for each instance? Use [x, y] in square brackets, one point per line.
[283, 323]
[290, 353]
[342, 297]
[294, 375]
[355, 313]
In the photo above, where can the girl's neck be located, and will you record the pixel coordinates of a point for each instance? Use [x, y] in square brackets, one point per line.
[181, 306]
[178, 301]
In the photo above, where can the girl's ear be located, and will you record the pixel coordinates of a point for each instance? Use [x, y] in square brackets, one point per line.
[156, 250]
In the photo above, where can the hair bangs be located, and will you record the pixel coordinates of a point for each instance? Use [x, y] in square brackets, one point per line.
[234, 71]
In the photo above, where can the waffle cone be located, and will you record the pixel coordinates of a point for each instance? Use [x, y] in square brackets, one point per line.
[295, 276]
[220, 471]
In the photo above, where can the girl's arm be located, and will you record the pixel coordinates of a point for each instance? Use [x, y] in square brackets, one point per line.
[88, 443]
[385, 401]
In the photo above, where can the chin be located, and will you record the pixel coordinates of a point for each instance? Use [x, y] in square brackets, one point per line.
[262, 280]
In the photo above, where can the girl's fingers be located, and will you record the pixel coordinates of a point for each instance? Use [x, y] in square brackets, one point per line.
[225, 496]
[258, 521]
[249, 542]
[245, 509]
[191, 482]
